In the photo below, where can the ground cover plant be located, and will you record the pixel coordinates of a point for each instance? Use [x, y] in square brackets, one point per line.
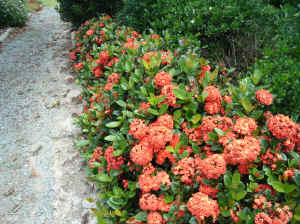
[12, 13]
[168, 139]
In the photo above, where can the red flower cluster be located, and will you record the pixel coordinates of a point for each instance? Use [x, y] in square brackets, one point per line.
[155, 218]
[162, 79]
[264, 97]
[113, 162]
[209, 123]
[213, 100]
[205, 68]
[166, 58]
[210, 191]
[201, 206]
[149, 183]
[282, 127]
[186, 169]
[97, 153]
[277, 216]
[245, 126]
[167, 91]
[242, 151]
[269, 158]
[211, 167]
[153, 138]
[138, 129]
[141, 154]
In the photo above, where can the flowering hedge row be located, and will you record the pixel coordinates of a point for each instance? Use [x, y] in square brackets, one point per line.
[169, 140]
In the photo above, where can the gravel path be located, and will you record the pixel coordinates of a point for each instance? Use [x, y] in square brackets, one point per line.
[42, 180]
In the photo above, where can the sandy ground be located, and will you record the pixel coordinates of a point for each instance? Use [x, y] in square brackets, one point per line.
[42, 180]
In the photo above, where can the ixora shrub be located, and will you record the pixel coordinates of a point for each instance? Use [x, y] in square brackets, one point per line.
[12, 13]
[78, 11]
[168, 140]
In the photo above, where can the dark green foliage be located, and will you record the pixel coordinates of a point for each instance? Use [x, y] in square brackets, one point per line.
[12, 13]
[233, 27]
[281, 64]
[78, 11]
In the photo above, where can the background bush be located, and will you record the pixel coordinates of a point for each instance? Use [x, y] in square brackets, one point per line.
[233, 30]
[280, 64]
[12, 13]
[78, 11]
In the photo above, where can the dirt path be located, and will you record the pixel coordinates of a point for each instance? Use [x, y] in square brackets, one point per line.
[41, 176]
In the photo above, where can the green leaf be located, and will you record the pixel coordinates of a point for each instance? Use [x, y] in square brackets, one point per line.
[193, 220]
[219, 131]
[257, 76]
[196, 118]
[163, 109]
[297, 213]
[117, 152]
[154, 112]
[141, 216]
[81, 143]
[296, 178]
[177, 115]
[170, 149]
[103, 177]
[238, 195]
[168, 198]
[236, 178]
[113, 124]
[121, 103]
[247, 105]
[227, 179]
[111, 138]
[180, 93]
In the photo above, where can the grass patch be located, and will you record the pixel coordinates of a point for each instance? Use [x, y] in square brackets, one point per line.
[49, 2]
[33, 6]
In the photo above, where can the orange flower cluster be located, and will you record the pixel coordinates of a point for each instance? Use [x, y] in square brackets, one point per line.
[97, 153]
[209, 123]
[263, 187]
[113, 162]
[167, 91]
[213, 100]
[155, 218]
[205, 68]
[166, 57]
[260, 202]
[148, 202]
[113, 78]
[186, 169]
[269, 158]
[131, 43]
[201, 206]
[214, 94]
[282, 127]
[242, 151]
[245, 126]
[278, 216]
[141, 154]
[153, 138]
[138, 129]
[162, 79]
[102, 61]
[78, 66]
[264, 97]
[144, 107]
[149, 183]
[210, 191]
[211, 167]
